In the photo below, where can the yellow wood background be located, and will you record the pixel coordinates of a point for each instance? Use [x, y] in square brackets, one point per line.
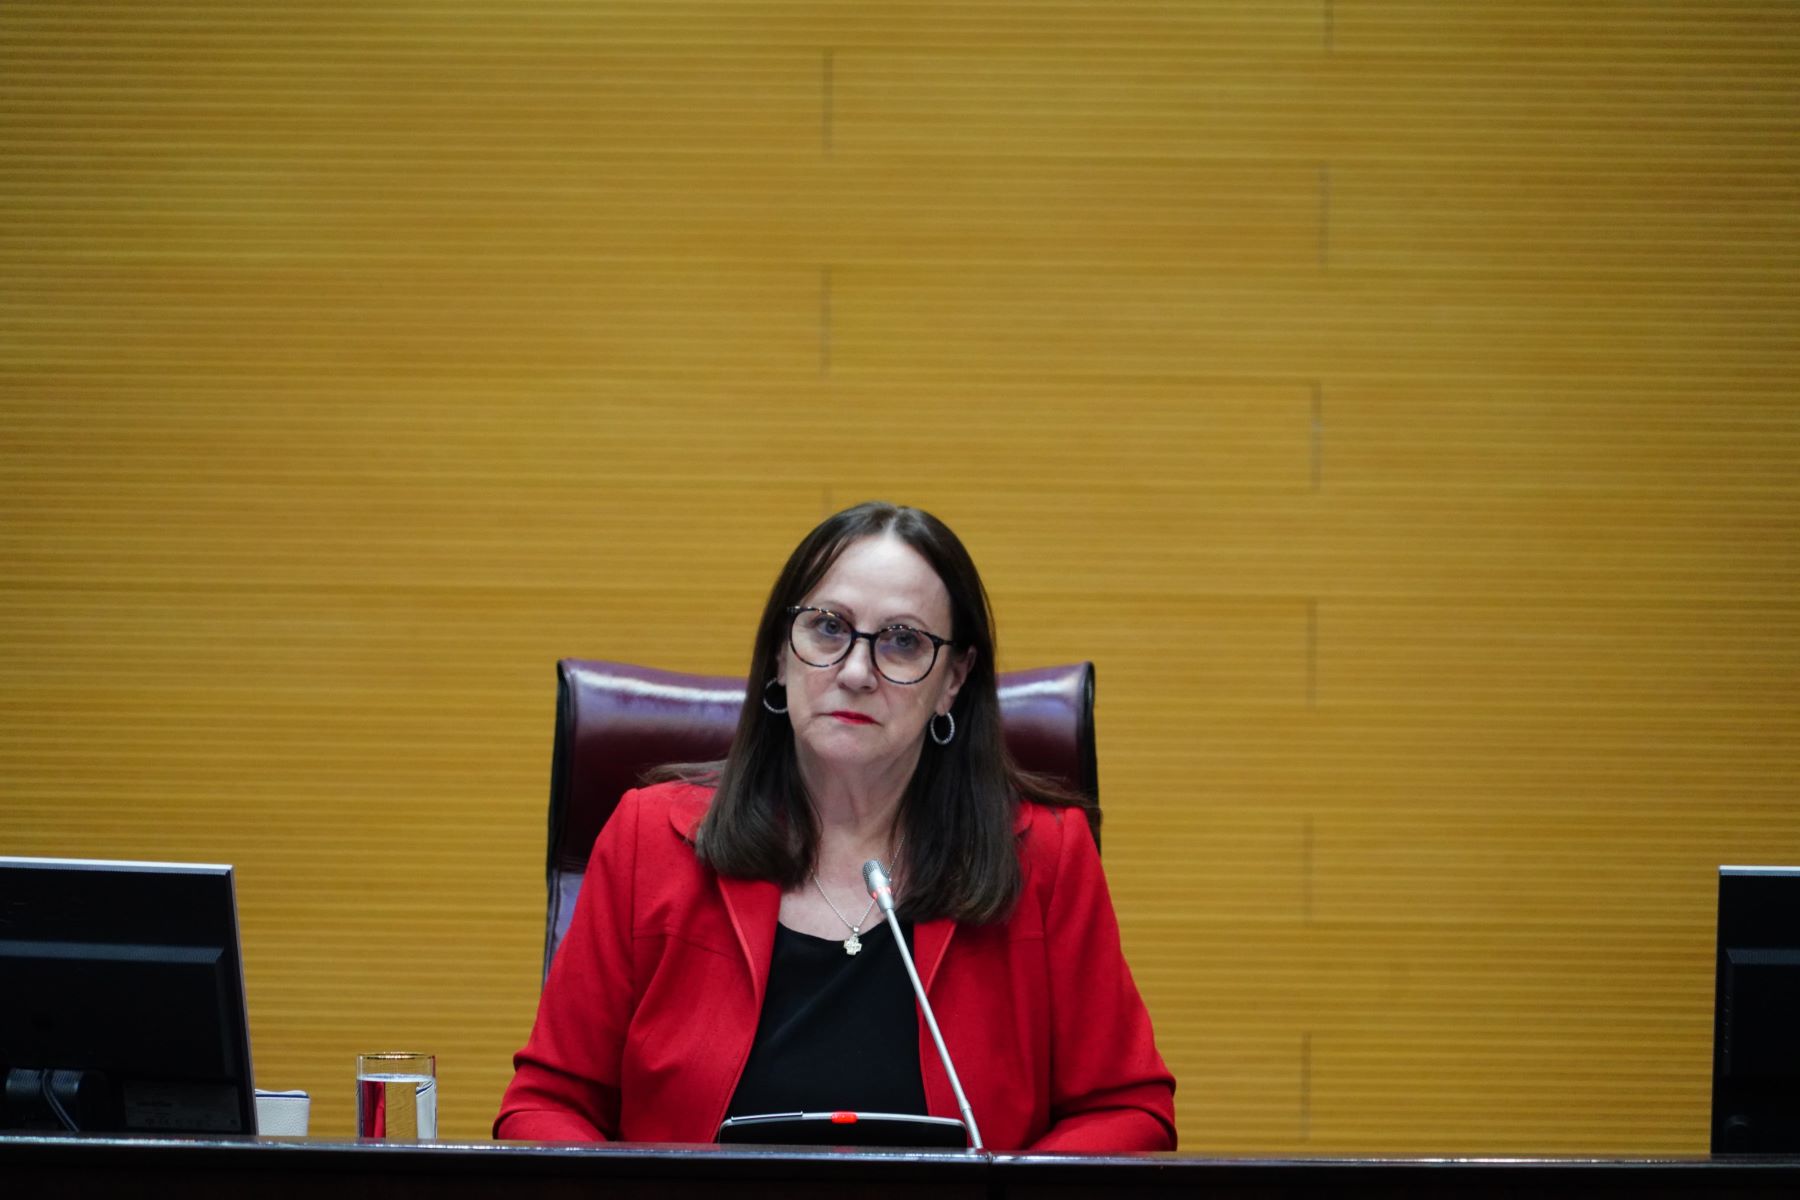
[1396, 399]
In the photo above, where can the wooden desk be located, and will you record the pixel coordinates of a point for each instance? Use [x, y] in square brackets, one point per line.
[197, 1168]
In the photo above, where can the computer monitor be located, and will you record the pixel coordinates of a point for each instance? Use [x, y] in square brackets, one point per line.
[1756, 1013]
[123, 998]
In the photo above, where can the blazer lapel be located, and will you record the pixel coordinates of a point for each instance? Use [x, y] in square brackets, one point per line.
[931, 940]
[753, 905]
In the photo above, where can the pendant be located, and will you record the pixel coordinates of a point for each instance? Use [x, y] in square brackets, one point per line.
[852, 944]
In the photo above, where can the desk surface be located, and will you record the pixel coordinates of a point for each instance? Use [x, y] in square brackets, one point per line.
[201, 1167]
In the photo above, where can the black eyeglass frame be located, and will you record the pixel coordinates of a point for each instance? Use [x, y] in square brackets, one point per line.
[937, 643]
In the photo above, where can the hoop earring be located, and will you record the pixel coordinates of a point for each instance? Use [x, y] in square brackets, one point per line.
[765, 696]
[931, 728]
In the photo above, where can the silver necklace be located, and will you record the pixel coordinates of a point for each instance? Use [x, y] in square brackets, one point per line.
[853, 943]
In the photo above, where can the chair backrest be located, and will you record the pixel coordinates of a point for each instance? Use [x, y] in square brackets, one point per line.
[615, 721]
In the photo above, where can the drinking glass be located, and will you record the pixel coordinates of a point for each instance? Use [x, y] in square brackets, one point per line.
[396, 1095]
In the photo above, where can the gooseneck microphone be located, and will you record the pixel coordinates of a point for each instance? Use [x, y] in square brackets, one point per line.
[882, 892]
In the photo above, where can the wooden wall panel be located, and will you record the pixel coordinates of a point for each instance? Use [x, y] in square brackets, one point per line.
[1394, 399]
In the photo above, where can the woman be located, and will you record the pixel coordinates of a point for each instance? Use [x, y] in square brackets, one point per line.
[724, 958]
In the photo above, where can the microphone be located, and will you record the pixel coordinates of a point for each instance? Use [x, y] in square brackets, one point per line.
[882, 892]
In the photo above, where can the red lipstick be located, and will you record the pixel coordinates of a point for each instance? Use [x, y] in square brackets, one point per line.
[854, 718]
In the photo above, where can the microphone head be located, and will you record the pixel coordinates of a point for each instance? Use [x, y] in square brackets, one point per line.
[880, 890]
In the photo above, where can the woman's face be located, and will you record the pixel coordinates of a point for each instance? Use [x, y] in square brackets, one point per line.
[848, 719]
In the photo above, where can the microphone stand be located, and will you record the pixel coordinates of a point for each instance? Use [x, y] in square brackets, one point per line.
[883, 894]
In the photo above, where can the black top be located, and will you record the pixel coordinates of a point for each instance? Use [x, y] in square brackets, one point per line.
[837, 1031]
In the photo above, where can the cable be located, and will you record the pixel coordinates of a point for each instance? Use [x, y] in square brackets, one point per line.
[56, 1105]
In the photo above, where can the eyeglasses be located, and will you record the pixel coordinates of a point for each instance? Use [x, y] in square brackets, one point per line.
[902, 654]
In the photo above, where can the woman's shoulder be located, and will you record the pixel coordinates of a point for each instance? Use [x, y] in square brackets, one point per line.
[677, 803]
[1045, 831]
[1057, 857]
[1034, 814]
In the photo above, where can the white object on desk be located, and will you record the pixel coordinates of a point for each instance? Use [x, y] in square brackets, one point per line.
[283, 1113]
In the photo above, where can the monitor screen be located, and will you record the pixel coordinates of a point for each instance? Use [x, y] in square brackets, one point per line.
[124, 1007]
[1756, 1013]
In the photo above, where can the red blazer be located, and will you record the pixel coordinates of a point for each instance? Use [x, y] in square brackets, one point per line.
[647, 1017]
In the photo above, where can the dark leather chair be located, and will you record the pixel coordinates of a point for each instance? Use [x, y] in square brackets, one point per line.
[615, 721]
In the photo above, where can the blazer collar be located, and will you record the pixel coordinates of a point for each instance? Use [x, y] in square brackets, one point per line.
[688, 809]
[755, 904]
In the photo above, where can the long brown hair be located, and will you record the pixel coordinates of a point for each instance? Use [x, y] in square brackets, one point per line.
[958, 810]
